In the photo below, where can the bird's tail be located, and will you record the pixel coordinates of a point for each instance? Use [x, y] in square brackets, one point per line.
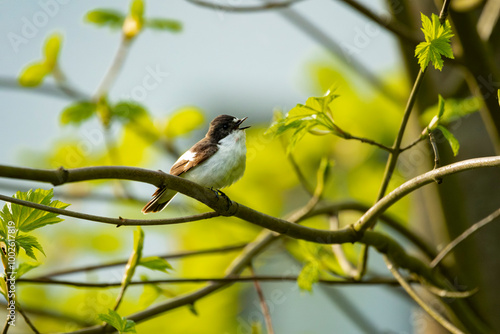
[161, 198]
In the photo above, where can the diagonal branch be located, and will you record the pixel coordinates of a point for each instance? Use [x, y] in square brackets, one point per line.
[244, 9]
[467, 233]
[433, 313]
[385, 23]
[221, 207]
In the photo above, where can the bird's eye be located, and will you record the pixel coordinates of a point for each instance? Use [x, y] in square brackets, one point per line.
[225, 126]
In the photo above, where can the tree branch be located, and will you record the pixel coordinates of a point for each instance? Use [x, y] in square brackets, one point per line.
[244, 9]
[220, 205]
[434, 314]
[164, 256]
[385, 23]
[237, 279]
[467, 233]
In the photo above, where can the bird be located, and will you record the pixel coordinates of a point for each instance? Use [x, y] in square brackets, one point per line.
[216, 161]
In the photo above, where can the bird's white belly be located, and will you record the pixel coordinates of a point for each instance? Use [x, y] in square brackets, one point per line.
[225, 167]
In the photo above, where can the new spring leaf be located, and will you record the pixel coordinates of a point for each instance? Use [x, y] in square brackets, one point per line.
[121, 324]
[437, 43]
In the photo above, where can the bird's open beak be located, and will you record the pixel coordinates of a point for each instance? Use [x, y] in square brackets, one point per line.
[239, 123]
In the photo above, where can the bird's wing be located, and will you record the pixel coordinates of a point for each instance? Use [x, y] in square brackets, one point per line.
[190, 159]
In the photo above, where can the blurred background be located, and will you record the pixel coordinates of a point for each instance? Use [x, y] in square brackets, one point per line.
[221, 62]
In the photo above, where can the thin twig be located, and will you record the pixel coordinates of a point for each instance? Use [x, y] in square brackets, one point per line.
[64, 91]
[28, 321]
[164, 256]
[349, 234]
[114, 69]
[391, 162]
[432, 140]
[303, 181]
[6, 326]
[467, 233]
[434, 314]
[371, 142]
[108, 220]
[385, 23]
[227, 279]
[415, 142]
[446, 293]
[337, 250]
[262, 300]
[325, 40]
[244, 9]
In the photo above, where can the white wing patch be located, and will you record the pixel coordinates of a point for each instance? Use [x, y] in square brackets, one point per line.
[188, 155]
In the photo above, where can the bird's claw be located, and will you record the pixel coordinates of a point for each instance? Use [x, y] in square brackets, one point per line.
[219, 194]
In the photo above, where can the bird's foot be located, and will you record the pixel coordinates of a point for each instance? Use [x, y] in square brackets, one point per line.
[219, 194]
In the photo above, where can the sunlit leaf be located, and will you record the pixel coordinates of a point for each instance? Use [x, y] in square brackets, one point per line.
[105, 17]
[183, 121]
[135, 257]
[33, 74]
[78, 112]
[25, 267]
[440, 106]
[315, 117]
[454, 144]
[164, 24]
[437, 42]
[453, 110]
[256, 327]
[128, 111]
[29, 243]
[28, 219]
[137, 8]
[51, 50]
[121, 324]
[155, 263]
[308, 276]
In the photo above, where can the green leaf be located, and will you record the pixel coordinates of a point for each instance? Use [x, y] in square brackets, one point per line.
[137, 9]
[78, 112]
[135, 257]
[315, 117]
[128, 111]
[51, 50]
[29, 243]
[33, 74]
[256, 327]
[183, 121]
[105, 17]
[28, 219]
[24, 267]
[121, 324]
[164, 24]
[155, 263]
[453, 110]
[440, 106]
[308, 276]
[437, 42]
[454, 144]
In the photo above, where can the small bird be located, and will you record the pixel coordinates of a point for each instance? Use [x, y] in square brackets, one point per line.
[216, 161]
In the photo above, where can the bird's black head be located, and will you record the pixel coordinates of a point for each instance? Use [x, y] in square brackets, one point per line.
[223, 125]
